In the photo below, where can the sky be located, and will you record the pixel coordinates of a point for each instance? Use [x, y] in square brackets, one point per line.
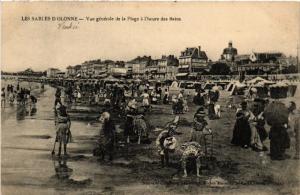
[251, 26]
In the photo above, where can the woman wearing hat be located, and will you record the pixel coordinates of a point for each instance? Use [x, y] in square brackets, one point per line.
[146, 102]
[242, 130]
[166, 142]
[130, 113]
[200, 129]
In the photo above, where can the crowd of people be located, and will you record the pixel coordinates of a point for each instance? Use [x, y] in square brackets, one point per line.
[249, 129]
[16, 94]
[134, 100]
[134, 108]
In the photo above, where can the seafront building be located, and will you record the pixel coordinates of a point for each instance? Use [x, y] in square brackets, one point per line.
[192, 63]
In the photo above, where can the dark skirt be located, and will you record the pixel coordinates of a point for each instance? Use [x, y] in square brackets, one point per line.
[263, 134]
[128, 129]
[280, 141]
[165, 100]
[211, 110]
[241, 133]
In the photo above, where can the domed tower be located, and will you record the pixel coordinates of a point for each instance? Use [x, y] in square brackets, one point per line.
[229, 53]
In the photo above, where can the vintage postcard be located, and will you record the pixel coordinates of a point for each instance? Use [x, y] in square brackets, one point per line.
[150, 98]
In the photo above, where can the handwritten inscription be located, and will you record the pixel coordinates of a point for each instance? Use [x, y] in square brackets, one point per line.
[67, 26]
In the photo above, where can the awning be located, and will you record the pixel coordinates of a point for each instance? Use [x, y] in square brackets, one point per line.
[184, 66]
[101, 76]
[181, 74]
[193, 74]
[101, 72]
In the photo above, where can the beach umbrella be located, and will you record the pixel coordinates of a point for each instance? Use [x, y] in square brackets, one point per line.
[276, 113]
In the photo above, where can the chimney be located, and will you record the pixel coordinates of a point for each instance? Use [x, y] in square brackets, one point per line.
[199, 50]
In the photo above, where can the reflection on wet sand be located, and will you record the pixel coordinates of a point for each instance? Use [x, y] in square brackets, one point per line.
[21, 112]
[63, 175]
[25, 110]
[33, 110]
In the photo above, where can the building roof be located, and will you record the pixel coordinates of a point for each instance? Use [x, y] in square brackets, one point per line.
[181, 74]
[77, 66]
[140, 59]
[54, 69]
[193, 52]
[242, 57]
[273, 54]
[230, 50]
[171, 60]
[258, 65]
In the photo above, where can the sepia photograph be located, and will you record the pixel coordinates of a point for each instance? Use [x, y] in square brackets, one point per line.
[150, 98]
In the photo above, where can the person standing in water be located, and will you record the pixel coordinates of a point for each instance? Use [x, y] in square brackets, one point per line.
[3, 97]
[63, 134]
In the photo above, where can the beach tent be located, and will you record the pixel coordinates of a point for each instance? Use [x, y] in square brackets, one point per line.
[111, 79]
[261, 89]
[265, 83]
[293, 95]
[279, 90]
[237, 88]
[230, 86]
[174, 84]
[296, 93]
[255, 80]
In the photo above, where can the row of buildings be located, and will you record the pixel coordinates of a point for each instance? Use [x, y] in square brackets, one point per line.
[192, 61]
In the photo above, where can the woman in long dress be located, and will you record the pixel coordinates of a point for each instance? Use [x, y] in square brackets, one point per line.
[242, 129]
[166, 97]
[280, 141]
[146, 102]
[259, 133]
